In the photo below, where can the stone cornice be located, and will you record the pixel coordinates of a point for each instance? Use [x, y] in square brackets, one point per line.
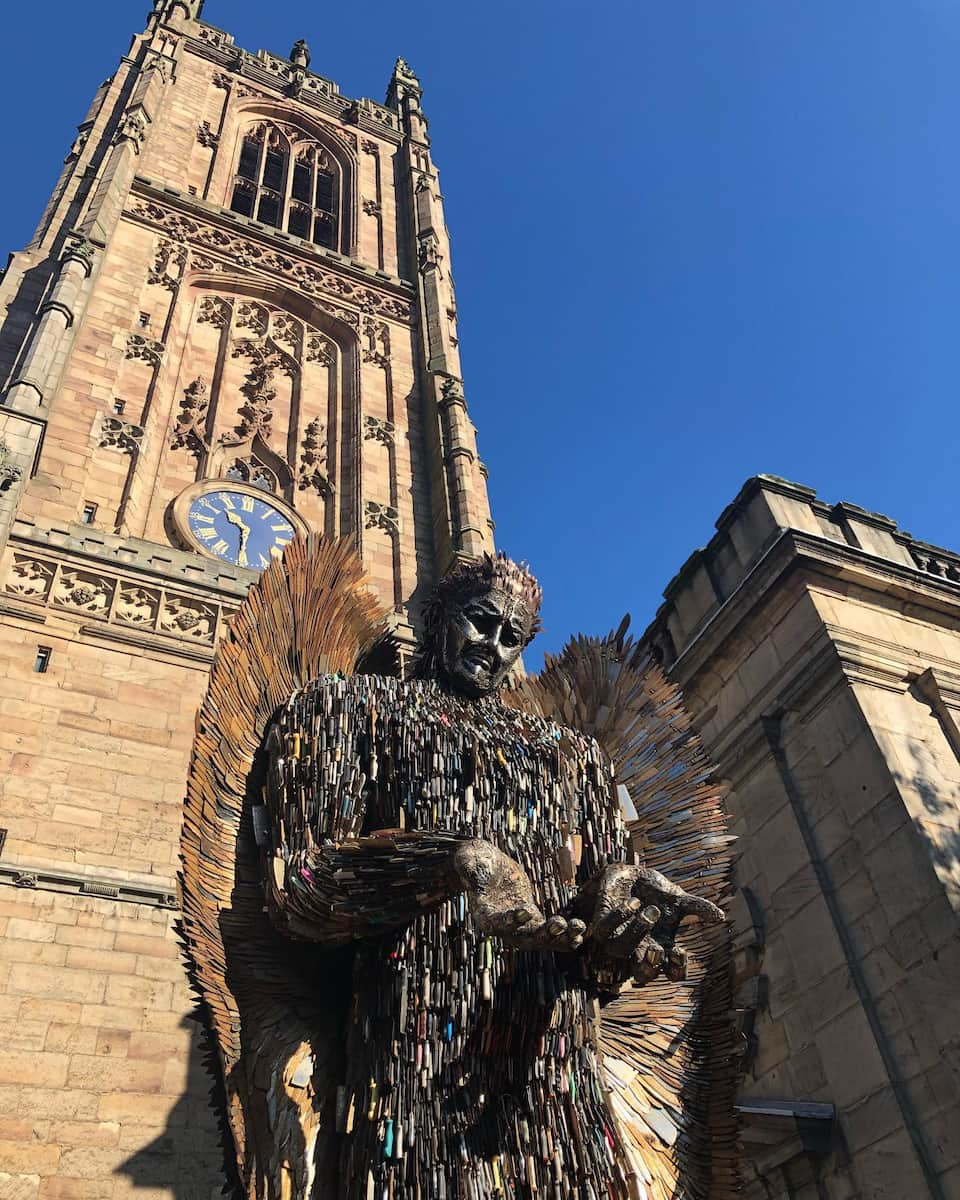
[790, 550]
[158, 893]
[217, 231]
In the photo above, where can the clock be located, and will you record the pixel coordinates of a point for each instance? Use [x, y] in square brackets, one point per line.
[237, 523]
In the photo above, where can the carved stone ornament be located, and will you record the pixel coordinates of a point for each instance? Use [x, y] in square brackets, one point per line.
[381, 516]
[187, 617]
[403, 70]
[137, 605]
[81, 249]
[288, 331]
[321, 350]
[10, 471]
[83, 591]
[313, 455]
[300, 54]
[78, 144]
[369, 146]
[29, 578]
[375, 430]
[216, 311]
[239, 251]
[168, 265]
[190, 430]
[252, 316]
[377, 337]
[146, 348]
[372, 208]
[207, 137]
[132, 129]
[112, 598]
[214, 37]
[430, 254]
[120, 435]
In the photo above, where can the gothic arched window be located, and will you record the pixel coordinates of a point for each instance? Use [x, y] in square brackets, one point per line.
[293, 186]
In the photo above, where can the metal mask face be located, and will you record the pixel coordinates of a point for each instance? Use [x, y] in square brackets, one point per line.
[483, 636]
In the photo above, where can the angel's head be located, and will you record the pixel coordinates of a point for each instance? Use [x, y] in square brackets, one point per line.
[479, 619]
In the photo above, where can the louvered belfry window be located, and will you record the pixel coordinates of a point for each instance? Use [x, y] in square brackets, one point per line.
[290, 185]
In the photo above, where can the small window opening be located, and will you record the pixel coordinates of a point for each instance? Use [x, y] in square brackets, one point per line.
[89, 514]
[42, 661]
[143, 320]
[119, 406]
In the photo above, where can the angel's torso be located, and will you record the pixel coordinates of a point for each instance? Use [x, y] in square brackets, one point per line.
[460, 1051]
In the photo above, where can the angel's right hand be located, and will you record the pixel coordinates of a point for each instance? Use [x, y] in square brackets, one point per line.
[502, 901]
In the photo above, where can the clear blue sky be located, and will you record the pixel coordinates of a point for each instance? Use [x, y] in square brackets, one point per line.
[692, 242]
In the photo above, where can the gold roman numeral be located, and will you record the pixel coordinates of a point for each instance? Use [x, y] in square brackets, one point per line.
[219, 547]
[246, 503]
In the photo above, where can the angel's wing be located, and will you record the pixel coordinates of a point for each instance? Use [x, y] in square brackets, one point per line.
[668, 1048]
[277, 1030]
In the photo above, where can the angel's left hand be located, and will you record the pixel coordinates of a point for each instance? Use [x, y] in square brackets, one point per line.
[632, 916]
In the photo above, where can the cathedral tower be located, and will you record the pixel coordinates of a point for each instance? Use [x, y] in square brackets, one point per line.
[235, 321]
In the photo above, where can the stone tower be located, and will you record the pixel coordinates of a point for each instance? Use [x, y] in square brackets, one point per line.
[236, 320]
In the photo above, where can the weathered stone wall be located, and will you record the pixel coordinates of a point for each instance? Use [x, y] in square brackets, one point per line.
[822, 664]
[103, 1089]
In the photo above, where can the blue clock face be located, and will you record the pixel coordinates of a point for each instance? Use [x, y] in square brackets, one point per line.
[240, 529]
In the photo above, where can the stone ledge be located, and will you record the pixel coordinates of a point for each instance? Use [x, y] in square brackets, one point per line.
[194, 206]
[99, 887]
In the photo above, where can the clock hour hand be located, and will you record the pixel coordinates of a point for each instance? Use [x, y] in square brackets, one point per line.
[235, 520]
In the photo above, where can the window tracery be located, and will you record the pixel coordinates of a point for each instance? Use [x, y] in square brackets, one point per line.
[251, 470]
[288, 181]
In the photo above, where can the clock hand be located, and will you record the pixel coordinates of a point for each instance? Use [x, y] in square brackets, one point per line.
[233, 519]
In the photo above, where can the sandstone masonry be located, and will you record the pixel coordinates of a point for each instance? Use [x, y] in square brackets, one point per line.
[819, 648]
[188, 310]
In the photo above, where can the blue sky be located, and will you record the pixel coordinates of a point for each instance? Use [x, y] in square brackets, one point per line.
[692, 242]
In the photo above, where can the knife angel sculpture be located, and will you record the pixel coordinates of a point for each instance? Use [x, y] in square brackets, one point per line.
[457, 939]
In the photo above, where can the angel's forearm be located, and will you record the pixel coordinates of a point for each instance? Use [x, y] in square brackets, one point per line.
[361, 887]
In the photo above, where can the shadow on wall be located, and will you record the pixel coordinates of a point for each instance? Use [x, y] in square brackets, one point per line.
[193, 1157]
[939, 796]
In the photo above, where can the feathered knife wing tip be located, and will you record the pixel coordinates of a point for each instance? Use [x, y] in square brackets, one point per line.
[309, 613]
[669, 1049]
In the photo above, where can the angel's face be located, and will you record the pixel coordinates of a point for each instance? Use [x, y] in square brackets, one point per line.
[482, 640]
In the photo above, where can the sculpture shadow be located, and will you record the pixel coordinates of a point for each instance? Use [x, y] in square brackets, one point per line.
[193, 1157]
